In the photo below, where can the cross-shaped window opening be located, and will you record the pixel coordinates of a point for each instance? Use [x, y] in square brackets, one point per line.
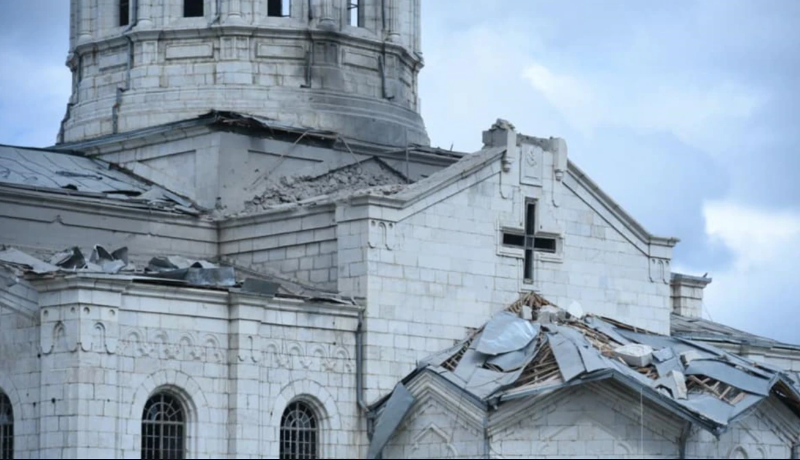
[529, 241]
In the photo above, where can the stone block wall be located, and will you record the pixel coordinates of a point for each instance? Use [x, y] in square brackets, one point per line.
[597, 422]
[439, 267]
[20, 375]
[228, 59]
[234, 362]
[301, 246]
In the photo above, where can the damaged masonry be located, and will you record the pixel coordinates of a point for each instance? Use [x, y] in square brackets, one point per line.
[534, 348]
[243, 240]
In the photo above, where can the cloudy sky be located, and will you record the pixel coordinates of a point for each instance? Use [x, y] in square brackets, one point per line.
[686, 112]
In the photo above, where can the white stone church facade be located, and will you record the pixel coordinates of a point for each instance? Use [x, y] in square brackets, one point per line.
[242, 246]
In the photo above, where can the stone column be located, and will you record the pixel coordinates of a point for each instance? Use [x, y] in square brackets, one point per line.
[85, 22]
[234, 15]
[244, 373]
[687, 295]
[325, 14]
[393, 21]
[145, 20]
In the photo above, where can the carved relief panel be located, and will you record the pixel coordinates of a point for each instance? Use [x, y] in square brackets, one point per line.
[532, 170]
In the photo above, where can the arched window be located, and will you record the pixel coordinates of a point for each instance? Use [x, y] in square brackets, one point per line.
[163, 428]
[6, 428]
[299, 432]
[193, 8]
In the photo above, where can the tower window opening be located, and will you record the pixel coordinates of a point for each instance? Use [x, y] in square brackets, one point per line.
[279, 8]
[193, 8]
[124, 12]
[355, 18]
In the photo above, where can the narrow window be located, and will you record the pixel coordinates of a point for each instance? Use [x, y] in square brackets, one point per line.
[6, 428]
[529, 241]
[299, 432]
[279, 8]
[124, 12]
[193, 8]
[355, 18]
[163, 428]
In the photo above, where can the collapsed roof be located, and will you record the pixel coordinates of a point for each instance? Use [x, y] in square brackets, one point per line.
[709, 331]
[172, 270]
[534, 347]
[64, 173]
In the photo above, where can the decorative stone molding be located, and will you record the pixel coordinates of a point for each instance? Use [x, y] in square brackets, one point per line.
[162, 344]
[295, 355]
[660, 270]
[448, 450]
[382, 234]
[532, 171]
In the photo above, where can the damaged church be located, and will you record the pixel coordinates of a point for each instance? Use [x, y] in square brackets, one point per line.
[242, 245]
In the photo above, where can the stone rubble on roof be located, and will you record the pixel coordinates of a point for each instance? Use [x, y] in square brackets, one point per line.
[343, 181]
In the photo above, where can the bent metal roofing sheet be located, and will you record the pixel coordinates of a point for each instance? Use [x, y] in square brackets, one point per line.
[534, 347]
[69, 174]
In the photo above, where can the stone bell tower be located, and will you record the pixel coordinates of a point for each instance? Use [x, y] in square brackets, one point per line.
[348, 66]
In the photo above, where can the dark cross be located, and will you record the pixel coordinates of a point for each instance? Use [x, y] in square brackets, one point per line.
[529, 241]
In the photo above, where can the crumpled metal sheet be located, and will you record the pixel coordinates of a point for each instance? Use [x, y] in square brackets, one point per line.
[206, 277]
[592, 360]
[506, 332]
[169, 263]
[675, 382]
[485, 382]
[516, 359]
[16, 257]
[567, 355]
[262, 287]
[395, 411]
[710, 407]
[580, 362]
[109, 262]
[731, 376]
[666, 361]
[440, 358]
[469, 362]
[70, 259]
[604, 328]
[54, 170]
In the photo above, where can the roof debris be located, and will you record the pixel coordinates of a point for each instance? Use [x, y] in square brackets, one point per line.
[535, 347]
[167, 270]
[708, 331]
[343, 181]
